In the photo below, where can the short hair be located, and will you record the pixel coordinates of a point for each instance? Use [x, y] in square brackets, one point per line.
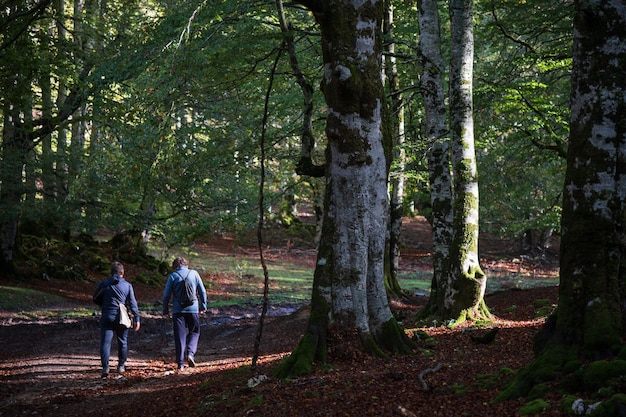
[179, 261]
[117, 268]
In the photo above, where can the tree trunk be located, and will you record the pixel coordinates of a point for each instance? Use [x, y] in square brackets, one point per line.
[590, 318]
[591, 291]
[464, 293]
[396, 177]
[438, 154]
[348, 286]
[17, 115]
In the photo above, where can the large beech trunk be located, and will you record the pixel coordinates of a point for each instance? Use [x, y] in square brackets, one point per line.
[349, 300]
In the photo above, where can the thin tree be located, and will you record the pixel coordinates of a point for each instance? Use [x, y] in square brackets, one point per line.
[458, 284]
[397, 174]
[464, 293]
[437, 135]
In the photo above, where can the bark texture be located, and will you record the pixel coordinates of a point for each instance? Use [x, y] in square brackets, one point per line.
[592, 288]
[464, 297]
[590, 318]
[349, 296]
[438, 155]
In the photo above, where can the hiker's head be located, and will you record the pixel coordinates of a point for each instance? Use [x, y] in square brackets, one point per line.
[117, 268]
[178, 262]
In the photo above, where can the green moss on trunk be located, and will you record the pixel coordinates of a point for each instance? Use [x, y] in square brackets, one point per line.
[394, 339]
[301, 360]
[544, 368]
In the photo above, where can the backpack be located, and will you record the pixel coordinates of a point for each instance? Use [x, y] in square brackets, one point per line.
[188, 293]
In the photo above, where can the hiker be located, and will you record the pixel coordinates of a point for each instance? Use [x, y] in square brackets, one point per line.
[185, 320]
[109, 295]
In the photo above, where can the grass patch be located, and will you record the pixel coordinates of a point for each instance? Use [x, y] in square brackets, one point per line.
[291, 283]
[16, 299]
[33, 304]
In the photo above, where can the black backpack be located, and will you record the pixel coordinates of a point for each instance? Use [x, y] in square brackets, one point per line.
[188, 293]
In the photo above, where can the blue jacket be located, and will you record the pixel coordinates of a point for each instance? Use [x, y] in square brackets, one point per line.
[112, 292]
[174, 286]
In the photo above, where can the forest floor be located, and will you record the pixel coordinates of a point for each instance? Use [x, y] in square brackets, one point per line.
[50, 366]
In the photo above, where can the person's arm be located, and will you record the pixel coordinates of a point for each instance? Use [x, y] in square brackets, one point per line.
[202, 300]
[97, 295]
[167, 293]
[134, 307]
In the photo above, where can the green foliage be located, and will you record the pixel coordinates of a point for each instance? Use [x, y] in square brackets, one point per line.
[521, 102]
[174, 99]
[60, 259]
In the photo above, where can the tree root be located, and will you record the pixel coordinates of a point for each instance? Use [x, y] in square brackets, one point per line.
[426, 372]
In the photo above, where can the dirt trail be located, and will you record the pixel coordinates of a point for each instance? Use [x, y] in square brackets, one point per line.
[50, 368]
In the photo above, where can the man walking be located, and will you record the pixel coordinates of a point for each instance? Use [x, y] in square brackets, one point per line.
[185, 319]
[109, 295]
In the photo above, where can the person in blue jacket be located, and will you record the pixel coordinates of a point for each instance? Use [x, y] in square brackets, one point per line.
[185, 320]
[109, 294]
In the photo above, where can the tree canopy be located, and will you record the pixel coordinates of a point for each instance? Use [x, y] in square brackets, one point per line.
[146, 115]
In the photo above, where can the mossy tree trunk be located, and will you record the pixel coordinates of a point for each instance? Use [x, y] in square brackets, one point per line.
[465, 289]
[458, 284]
[349, 303]
[590, 319]
[592, 287]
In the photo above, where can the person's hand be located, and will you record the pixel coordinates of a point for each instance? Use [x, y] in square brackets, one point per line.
[137, 326]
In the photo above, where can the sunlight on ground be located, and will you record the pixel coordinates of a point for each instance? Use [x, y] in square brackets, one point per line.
[503, 324]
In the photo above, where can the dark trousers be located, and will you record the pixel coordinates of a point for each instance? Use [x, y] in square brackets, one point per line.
[186, 335]
[108, 329]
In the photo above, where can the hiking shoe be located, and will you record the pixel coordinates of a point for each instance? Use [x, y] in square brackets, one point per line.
[105, 373]
[192, 362]
[181, 367]
[121, 369]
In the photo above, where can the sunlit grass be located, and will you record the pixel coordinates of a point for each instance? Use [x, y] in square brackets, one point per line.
[238, 280]
[17, 298]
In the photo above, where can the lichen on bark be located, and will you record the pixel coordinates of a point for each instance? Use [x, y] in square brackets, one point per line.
[349, 303]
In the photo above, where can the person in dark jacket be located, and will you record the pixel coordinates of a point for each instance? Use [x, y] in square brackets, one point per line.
[185, 320]
[109, 294]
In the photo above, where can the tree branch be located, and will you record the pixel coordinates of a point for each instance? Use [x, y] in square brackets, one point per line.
[32, 14]
[305, 165]
[74, 100]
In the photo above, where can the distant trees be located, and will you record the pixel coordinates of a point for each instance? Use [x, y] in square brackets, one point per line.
[112, 100]
[45, 81]
[106, 124]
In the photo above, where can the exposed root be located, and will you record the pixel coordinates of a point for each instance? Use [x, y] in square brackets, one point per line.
[426, 372]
